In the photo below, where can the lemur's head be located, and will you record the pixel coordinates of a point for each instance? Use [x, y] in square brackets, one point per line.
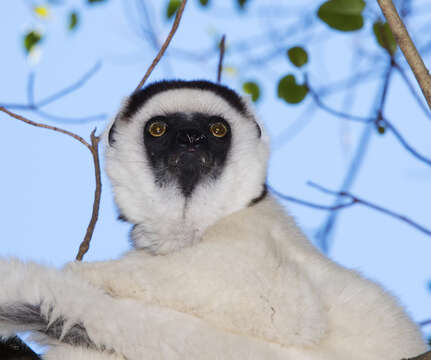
[181, 155]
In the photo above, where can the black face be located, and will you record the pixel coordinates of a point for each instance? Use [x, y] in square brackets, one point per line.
[187, 148]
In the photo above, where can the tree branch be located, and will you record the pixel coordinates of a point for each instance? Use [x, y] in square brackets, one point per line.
[408, 48]
[350, 201]
[93, 148]
[165, 44]
[54, 128]
[379, 120]
[356, 200]
[220, 59]
[425, 322]
[83, 248]
[55, 96]
[36, 106]
[412, 89]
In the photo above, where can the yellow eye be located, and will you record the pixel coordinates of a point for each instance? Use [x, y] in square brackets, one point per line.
[157, 129]
[218, 129]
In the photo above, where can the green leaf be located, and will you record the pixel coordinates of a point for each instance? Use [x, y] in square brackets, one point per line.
[290, 91]
[31, 39]
[343, 15]
[252, 88]
[95, 1]
[384, 37]
[203, 2]
[381, 129]
[298, 56]
[73, 20]
[241, 3]
[172, 8]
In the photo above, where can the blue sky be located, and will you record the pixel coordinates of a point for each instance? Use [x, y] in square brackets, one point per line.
[47, 179]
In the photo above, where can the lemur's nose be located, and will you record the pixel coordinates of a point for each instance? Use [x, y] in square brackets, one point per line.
[190, 137]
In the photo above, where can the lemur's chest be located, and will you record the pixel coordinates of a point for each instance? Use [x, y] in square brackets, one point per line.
[241, 287]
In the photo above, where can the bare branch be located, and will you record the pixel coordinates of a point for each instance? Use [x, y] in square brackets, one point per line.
[221, 56]
[71, 88]
[54, 128]
[93, 147]
[379, 120]
[404, 143]
[408, 48]
[350, 201]
[83, 248]
[308, 203]
[412, 89]
[70, 120]
[36, 106]
[165, 44]
[356, 200]
[425, 322]
[334, 112]
[32, 105]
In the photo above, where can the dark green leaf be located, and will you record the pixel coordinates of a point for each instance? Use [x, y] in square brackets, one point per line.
[384, 37]
[252, 88]
[31, 39]
[73, 20]
[298, 56]
[95, 1]
[343, 15]
[241, 3]
[172, 8]
[203, 2]
[381, 129]
[290, 91]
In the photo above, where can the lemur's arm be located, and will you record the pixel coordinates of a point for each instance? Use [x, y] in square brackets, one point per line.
[60, 307]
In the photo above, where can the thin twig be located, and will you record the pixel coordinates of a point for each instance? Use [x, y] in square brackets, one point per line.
[408, 48]
[165, 45]
[93, 147]
[220, 59]
[70, 120]
[404, 143]
[324, 234]
[356, 200]
[412, 89]
[425, 322]
[328, 109]
[378, 120]
[350, 201]
[30, 89]
[71, 88]
[32, 105]
[83, 248]
[54, 128]
[308, 203]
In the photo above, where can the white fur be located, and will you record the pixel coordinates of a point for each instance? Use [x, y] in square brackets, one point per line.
[253, 288]
[243, 283]
[172, 221]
